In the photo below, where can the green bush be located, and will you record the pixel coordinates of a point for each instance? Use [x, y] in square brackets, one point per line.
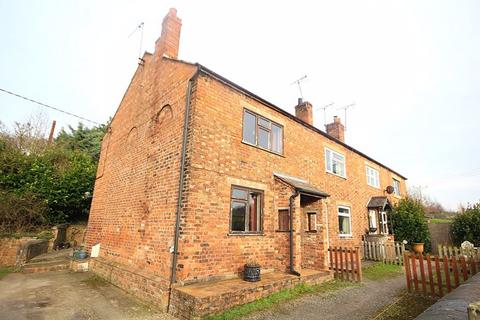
[409, 223]
[466, 226]
[21, 212]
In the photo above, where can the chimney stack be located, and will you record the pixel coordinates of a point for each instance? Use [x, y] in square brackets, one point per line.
[336, 129]
[303, 111]
[169, 40]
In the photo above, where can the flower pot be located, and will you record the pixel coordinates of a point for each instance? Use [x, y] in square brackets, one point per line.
[251, 273]
[80, 255]
[417, 247]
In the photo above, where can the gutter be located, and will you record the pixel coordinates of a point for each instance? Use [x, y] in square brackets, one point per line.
[173, 277]
[292, 199]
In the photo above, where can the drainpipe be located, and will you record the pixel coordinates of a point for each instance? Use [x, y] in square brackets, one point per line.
[292, 199]
[328, 229]
[173, 277]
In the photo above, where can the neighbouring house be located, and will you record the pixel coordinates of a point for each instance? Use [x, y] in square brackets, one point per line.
[198, 176]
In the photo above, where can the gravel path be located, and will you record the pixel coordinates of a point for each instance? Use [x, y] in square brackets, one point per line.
[350, 303]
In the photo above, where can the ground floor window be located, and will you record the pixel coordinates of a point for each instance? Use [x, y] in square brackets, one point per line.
[344, 221]
[312, 221]
[284, 220]
[246, 210]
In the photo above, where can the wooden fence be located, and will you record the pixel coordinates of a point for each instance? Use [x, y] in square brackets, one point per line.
[436, 276]
[345, 263]
[385, 252]
[449, 251]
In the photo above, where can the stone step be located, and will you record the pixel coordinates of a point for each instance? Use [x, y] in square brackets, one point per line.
[46, 266]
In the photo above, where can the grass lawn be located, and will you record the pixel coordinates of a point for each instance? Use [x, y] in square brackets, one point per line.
[380, 271]
[4, 271]
[279, 297]
[407, 306]
[440, 220]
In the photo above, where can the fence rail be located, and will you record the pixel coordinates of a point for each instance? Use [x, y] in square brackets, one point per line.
[435, 275]
[449, 251]
[345, 263]
[387, 252]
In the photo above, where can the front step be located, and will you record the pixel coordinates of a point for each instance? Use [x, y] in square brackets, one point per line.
[46, 266]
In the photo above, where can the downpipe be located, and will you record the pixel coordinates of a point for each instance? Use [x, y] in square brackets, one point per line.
[291, 202]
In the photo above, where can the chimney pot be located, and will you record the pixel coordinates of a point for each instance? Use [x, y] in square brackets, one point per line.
[336, 129]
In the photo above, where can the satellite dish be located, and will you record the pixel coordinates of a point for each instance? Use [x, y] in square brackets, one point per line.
[389, 189]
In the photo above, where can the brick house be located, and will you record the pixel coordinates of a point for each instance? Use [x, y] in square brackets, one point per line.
[198, 175]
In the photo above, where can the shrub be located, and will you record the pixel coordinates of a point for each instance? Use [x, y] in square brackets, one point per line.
[21, 212]
[409, 223]
[466, 226]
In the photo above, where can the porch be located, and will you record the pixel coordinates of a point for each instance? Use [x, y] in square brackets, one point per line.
[201, 299]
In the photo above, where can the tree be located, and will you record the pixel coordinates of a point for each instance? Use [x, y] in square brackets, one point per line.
[409, 223]
[466, 225]
[83, 139]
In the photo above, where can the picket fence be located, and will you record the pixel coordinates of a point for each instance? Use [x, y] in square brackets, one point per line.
[345, 263]
[436, 276]
[449, 251]
[391, 253]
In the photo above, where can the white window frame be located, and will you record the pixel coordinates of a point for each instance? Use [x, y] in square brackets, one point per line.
[327, 164]
[374, 175]
[349, 215]
[383, 222]
[396, 191]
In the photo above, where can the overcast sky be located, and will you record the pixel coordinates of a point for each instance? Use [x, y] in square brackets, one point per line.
[412, 68]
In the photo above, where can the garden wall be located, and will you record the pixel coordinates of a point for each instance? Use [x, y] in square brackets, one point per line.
[8, 249]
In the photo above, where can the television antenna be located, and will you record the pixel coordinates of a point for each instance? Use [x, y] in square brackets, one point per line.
[324, 108]
[140, 28]
[298, 81]
[345, 108]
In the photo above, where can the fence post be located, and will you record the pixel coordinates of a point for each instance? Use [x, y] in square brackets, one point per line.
[439, 248]
[430, 276]
[359, 267]
[455, 271]
[414, 271]
[447, 274]
[352, 263]
[347, 276]
[341, 263]
[422, 274]
[336, 263]
[439, 276]
[407, 271]
[464, 268]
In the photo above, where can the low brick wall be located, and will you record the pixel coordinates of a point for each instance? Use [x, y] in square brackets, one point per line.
[9, 248]
[185, 305]
[30, 249]
[136, 282]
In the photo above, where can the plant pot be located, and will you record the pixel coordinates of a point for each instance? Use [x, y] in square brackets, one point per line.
[417, 247]
[251, 273]
[80, 255]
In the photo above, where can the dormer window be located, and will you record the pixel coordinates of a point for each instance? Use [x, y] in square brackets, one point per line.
[262, 132]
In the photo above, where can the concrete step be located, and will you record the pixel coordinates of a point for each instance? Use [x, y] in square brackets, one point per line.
[46, 266]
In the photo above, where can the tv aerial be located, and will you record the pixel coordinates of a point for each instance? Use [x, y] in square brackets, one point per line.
[298, 83]
[345, 108]
[324, 108]
[139, 28]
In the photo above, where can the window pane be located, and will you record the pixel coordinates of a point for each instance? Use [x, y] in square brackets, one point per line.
[344, 224]
[249, 127]
[263, 138]
[264, 122]
[328, 160]
[239, 194]
[283, 220]
[277, 139]
[338, 168]
[239, 210]
[396, 187]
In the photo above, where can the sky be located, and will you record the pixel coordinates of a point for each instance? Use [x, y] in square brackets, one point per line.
[412, 69]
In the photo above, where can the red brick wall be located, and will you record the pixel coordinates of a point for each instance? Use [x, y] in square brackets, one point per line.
[135, 197]
[9, 248]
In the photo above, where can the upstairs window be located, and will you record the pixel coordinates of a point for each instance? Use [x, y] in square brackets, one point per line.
[396, 187]
[373, 178]
[261, 132]
[335, 162]
[246, 211]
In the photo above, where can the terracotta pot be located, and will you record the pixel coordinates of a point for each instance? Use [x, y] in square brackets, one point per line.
[417, 247]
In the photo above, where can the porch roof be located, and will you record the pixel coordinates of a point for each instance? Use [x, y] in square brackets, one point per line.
[301, 185]
[378, 202]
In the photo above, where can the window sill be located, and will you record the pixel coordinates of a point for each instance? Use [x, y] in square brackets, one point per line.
[311, 231]
[263, 149]
[246, 234]
[283, 231]
[345, 236]
[378, 188]
[336, 175]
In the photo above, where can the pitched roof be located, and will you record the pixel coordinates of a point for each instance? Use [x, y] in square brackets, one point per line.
[233, 85]
[301, 185]
[378, 202]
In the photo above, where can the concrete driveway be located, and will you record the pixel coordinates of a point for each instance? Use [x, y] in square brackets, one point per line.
[67, 295]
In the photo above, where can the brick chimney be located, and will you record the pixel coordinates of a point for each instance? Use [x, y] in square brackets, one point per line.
[303, 111]
[336, 129]
[169, 40]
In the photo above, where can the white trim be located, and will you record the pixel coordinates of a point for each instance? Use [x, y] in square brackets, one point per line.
[326, 149]
[349, 215]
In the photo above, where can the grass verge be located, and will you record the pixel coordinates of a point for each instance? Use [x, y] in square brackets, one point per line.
[279, 297]
[4, 271]
[380, 271]
[407, 306]
[440, 220]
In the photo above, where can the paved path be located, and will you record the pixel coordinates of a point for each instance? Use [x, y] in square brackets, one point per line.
[65, 295]
[349, 303]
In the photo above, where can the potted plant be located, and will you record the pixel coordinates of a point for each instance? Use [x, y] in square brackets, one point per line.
[418, 247]
[251, 271]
